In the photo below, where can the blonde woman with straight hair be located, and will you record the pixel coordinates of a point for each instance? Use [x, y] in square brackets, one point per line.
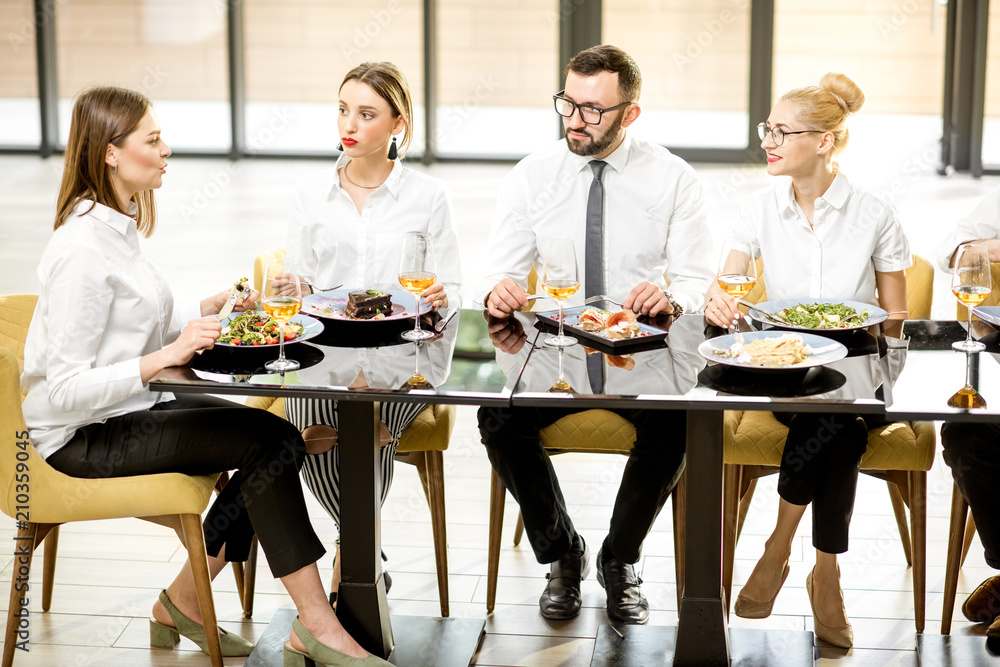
[820, 235]
[105, 324]
[347, 229]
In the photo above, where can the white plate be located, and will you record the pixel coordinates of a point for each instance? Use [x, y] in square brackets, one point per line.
[875, 314]
[988, 314]
[331, 305]
[826, 351]
[311, 327]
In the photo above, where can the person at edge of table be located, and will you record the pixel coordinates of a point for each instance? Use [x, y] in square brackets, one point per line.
[105, 324]
[819, 235]
[981, 226]
[971, 449]
[347, 228]
[650, 213]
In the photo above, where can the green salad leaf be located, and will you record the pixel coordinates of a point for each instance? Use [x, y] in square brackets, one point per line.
[824, 316]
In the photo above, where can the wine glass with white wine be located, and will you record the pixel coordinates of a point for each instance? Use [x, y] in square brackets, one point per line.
[560, 280]
[970, 283]
[737, 267]
[416, 274]
[281, 300]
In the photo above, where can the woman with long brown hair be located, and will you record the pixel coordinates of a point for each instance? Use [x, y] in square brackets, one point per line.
[105, 324]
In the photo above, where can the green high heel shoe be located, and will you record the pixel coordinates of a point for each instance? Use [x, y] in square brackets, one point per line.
[164, 636]
[321, 655]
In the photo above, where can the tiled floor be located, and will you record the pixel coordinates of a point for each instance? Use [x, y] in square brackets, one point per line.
[213, 221]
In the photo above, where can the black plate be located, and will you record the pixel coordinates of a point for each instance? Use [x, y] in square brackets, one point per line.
[790, 384]
[655, 330]
[251, 360]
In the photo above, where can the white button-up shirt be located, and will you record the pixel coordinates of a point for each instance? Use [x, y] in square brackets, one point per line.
[982, 223]
[853, 235]
[102, 306]
[332, 243]
[654, 221]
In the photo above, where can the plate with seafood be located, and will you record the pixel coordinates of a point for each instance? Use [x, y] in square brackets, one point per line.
[616, 329]
[772, 351]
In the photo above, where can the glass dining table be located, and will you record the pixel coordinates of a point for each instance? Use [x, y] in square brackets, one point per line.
[670, 374]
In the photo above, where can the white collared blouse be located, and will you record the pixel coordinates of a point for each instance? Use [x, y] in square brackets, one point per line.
[853, 235]
[103, 305]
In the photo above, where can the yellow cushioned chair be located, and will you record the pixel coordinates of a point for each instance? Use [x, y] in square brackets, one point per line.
[591, 431]
[900, 453]
[52, 498]
[421, 445]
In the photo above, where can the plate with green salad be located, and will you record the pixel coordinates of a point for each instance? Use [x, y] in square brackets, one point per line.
[819, 314]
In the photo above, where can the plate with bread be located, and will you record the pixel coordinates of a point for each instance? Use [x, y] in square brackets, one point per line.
[612, 328]
[362, 305]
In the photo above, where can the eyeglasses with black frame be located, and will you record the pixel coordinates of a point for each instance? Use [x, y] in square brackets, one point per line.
[778, 134]
[589, 114]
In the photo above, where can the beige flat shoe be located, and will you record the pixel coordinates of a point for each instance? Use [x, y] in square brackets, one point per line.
[842, 636]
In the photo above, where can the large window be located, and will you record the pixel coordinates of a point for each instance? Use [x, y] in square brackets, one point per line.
[297, 53]
[991, 120]
[895, 52]
[173, 51]
[695, 63]
[497, 72]
[19, 110]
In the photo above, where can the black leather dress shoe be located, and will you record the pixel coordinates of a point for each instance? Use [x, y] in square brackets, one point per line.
[561, 598]
[626, 603]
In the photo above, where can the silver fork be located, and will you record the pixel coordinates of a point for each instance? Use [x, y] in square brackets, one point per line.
[603, 297]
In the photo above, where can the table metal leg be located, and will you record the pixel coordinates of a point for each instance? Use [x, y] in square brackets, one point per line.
[702, 635]
[361, 604]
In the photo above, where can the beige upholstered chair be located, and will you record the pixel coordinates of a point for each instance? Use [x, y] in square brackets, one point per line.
[53, 498]
[900, 453]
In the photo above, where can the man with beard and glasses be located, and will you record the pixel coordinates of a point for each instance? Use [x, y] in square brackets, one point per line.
[634, 212]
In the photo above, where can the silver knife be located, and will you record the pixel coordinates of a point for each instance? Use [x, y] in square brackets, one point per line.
[228, 307]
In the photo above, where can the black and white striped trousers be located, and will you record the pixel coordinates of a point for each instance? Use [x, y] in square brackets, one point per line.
[322, 471]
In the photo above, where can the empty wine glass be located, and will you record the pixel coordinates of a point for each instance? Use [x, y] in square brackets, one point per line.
[560, 280]
[970, 283]
[281, 300]
[416, 274]
[737, 267]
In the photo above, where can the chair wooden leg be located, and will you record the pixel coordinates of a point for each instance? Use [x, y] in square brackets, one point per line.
[899, 510]
[435, 490]
[519, 529]
[956, 532]
[498, 497]
[678, 501]
[250, 579]
[970, 532]
[745, 499]
[24, 549]
[730, 512]
[239, 572]
[49, 566]
[195, 539]
[918, 522]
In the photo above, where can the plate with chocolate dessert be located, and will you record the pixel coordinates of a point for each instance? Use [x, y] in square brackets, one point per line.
[362, 305]
[615, 329]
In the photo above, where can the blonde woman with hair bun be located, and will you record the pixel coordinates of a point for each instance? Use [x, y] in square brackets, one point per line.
[820, 235]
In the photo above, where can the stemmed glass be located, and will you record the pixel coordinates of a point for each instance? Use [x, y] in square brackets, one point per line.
[737, 267]
[967, 397]
[416, 274]
[560, 280]
[416, 381]
[282, 299]
[970, 283]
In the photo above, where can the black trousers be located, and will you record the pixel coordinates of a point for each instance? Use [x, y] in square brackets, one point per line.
[200, 435]
[973, 453]
[820, 465]
[512, 440]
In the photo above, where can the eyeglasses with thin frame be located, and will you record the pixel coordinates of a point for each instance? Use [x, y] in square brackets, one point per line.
[777, 134]
[589, 114]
